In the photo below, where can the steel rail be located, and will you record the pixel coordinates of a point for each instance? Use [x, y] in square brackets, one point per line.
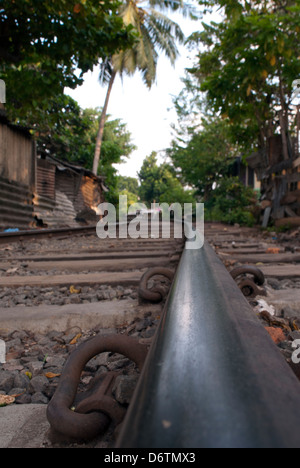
[30, 234]
[213, 376]
[40, 233]
[9, 237]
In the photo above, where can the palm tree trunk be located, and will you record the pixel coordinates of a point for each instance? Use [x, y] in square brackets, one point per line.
[101, 124]
[283, 120]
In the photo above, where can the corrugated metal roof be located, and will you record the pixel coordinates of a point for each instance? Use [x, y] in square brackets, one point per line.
[63, 165]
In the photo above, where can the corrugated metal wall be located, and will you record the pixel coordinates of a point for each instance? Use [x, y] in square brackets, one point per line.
[16, 205]
[32, 188]
[17, 158]
[45, 181]
[89, 194]
[67, 182]
[17, 177]
[83, 191]
[63, 193]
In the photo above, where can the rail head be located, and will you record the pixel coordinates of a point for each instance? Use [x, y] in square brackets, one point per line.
[213, 376]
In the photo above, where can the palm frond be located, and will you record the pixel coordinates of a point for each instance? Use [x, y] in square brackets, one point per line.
[149, 70]
[164, 33]
[156, 33]
[129, 13]
[106, 69]
[130, 60]
[186, 9]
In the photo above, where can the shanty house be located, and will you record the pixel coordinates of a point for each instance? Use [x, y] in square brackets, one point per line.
[37, 192]
[66, 194]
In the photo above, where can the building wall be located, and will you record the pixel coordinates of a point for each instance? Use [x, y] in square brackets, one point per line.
[17, 177]
[83, 191]
[32, 189]
[17, 156]
[89, 194]
[65, 195]
[45, 184]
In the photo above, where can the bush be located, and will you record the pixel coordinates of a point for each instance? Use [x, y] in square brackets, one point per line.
[231, 202]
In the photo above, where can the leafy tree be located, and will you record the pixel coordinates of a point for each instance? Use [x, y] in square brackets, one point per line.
[159, 184]
[155, 32]
[117, 145]
[61, 130]
[231, 202]
[48, 45]
[148, 175]
[132, 198]
[128, 183]
[67, 132]
[205, 157]
[247, 64]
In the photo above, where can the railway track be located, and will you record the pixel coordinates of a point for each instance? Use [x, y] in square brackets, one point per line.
[64, 293]
[234, 386]
[62, 287]
[277, 256]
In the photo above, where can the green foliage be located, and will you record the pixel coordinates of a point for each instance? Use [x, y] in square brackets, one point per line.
[61, 130]
[67, 132]
[247, 64]
[205, 161]
[116, 146]
[132, 198]
[205, 157]
[242, 83]
[128, 183]
[149, 176]
[159, 184]
[48, 45]
[231, 202]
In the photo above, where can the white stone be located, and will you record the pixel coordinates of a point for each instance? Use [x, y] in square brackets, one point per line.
[263, 305]
[2, 352]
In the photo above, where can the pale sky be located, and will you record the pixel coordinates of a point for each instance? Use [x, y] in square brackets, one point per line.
[148, 114]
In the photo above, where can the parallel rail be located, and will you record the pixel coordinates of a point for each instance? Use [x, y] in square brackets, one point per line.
[213, 377]
[9, 237]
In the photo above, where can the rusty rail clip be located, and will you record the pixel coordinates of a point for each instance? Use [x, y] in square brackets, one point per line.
[248, 286]
[92, 415]
[157, 293]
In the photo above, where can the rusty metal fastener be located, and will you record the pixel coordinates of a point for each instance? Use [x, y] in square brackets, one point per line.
[74, 424]
[248, 286]
[102, 400]
[158, 293]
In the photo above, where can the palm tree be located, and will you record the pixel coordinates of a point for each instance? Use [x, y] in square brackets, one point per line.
[155, 32]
